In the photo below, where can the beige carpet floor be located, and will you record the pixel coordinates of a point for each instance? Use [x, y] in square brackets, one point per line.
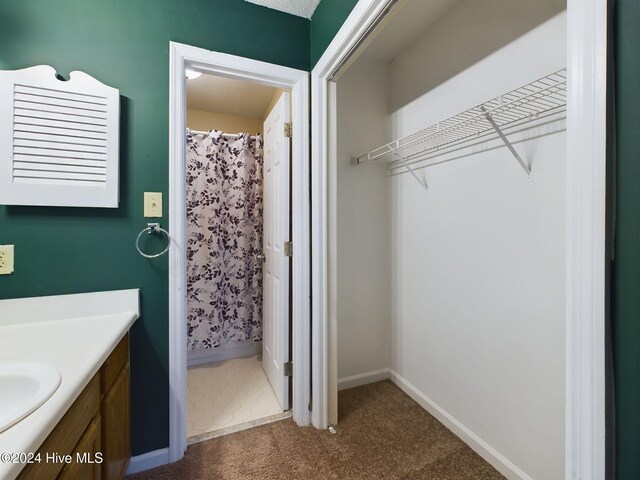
[382, 434]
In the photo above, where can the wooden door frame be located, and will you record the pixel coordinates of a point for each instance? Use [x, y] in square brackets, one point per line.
[585, 215]
[297, 81]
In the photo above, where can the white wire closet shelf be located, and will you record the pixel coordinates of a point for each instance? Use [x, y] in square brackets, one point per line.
[536, 101]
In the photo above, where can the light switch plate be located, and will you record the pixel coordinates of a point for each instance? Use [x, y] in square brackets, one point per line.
[6, 259]
[152, 204]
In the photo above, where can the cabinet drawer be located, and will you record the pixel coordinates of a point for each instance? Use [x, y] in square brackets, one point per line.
[112, 366]
[65, 436]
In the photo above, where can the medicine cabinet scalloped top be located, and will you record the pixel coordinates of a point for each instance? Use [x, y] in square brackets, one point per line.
[59, 140]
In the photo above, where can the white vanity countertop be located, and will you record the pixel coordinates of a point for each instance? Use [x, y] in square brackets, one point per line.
[77, 347]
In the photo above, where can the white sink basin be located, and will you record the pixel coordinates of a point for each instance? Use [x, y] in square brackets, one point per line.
[23, 388]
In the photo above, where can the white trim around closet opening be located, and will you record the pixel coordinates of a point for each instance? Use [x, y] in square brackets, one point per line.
[585, 241]
[585, 212]
[323, 242]
[297, 81]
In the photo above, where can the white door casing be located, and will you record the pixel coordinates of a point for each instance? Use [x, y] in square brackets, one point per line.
[275, 311]
[297, 82]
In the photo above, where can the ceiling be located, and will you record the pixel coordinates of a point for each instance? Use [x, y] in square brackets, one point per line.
[226, 95]
[300, 8]
[408, 24]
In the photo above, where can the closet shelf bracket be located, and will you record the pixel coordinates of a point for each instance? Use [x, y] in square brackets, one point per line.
[421, 181]
[506, 141]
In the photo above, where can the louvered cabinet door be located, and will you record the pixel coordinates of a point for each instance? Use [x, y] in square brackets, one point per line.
[59, 141]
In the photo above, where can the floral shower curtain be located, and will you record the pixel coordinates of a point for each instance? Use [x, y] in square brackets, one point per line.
[224, 235]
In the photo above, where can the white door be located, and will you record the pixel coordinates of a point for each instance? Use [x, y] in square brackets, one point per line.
[275, 311]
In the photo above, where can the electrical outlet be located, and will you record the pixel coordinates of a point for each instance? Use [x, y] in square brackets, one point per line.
[152, 204]
[6, 259]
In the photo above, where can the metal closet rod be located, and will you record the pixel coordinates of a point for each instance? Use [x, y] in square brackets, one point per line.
[225, 135]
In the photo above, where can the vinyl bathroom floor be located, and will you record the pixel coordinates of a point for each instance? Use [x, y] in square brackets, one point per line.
[228, 394]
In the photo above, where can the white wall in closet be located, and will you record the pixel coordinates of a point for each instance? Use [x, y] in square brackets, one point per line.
[478, 261]
[363, 222]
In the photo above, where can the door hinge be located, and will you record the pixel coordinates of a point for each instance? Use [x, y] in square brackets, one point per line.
[288, 129]
[288, 369]
[288, 249]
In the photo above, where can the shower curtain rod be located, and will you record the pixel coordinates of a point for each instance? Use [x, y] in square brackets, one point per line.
[226, 135]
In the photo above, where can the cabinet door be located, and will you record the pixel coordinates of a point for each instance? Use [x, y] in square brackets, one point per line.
[69, 432]
[86, 456]
[115, 428]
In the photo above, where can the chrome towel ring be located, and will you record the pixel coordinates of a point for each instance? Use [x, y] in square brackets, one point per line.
[153, 228]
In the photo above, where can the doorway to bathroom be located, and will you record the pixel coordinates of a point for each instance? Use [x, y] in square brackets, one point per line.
[238, 264]
[239, 201]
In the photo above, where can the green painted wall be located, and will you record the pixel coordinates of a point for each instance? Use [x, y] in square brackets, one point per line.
[325, 23]
[626, 273]
[125, 44]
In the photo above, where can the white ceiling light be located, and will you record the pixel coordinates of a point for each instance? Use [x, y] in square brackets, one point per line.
[191, 74]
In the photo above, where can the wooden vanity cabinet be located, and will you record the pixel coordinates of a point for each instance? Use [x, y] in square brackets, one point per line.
[96, 428]
[115, 412]
[88, 447]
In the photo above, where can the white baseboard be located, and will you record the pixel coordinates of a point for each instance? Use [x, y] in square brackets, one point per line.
[148, 460]
[248, 348]
[363, 378]
[500, 463]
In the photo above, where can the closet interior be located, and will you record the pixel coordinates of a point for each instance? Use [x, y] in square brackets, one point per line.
[449, 246]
